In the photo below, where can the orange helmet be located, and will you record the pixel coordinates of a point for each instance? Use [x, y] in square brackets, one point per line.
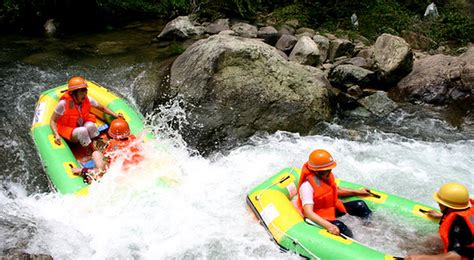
[321, 160]
[76, 83]
[119, 129]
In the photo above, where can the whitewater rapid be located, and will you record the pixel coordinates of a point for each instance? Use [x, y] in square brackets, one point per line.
[201, 212]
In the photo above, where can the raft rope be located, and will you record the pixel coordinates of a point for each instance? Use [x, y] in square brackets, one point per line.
[295, 241]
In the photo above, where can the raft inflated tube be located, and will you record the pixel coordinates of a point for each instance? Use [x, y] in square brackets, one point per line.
[271, 203]
[56, 159]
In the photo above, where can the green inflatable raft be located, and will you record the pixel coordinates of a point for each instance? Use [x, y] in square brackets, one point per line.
[58, 159]
[271, 203]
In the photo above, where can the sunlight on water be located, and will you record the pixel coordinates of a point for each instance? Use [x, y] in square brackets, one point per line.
[177, 204]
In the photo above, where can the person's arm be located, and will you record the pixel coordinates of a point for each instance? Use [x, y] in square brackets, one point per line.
[309, 213]
[345, 192]
[54, 128]
[107, 111]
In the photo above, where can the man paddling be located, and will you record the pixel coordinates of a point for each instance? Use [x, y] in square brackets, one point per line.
[457, 223]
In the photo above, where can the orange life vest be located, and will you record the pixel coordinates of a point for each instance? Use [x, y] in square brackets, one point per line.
[68, 121]
[324, 194]
[447, 221]
[114, 146]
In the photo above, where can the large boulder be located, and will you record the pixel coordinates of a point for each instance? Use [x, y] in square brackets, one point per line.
[378, 104]
[218, 26]
[245, 30]
[393, 58]
[286, 43]
[438, 79]
[323, 46]
[305, 52]
[347, 74]
[269, 34]
[234, 87]
[339, 48]
[180, 28]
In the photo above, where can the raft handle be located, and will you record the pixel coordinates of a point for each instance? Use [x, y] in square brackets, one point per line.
[424, 211]
[284, 179]
[375, 195]
[257, 197]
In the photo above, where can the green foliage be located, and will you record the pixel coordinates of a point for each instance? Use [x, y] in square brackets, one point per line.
[454, 24]
[145, 7]
[211, 9]
[290, 12]
[375, 17]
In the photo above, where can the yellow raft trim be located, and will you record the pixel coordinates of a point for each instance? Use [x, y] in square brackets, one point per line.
[83, 192]
[44, 110]
[276, 211]
[417, 212]
[340, 239]
[100, 94]
[68, 169]
[53, 144]
[380, 200]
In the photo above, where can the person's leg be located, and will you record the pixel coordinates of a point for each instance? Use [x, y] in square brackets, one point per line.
[92, 129]
[358, 208]
[81, 135]
[99, 160]
[343, 228]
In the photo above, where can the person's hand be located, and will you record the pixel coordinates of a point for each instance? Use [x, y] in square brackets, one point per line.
[120, 115]
[434, 214]
[414, 257]
[57, 139]
[364, 192]
[77, 171]
[333, 229]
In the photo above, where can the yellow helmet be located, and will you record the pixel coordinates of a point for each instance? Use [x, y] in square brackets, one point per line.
[453, 195]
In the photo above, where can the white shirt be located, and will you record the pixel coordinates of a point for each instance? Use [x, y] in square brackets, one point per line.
[306, 194]
[61, 106]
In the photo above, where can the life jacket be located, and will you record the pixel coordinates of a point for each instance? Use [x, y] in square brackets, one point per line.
[68, 121]
[325, 196]
[447, 221]
[115, 147]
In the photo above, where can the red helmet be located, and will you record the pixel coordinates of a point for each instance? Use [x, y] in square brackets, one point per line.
[76, 83]
[119, 129]
[321, 160]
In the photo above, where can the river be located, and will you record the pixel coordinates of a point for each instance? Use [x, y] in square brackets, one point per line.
[203, 214]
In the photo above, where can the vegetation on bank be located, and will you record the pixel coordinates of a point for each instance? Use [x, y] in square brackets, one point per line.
[455, 23]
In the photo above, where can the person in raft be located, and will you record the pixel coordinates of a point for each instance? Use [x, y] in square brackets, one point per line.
[456, 226]
[318, 195]
[123, 143]
[72, 119]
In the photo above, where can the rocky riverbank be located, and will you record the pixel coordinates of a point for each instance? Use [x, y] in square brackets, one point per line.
[239, 78]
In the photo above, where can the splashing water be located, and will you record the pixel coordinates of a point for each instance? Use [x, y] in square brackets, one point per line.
[177, 204]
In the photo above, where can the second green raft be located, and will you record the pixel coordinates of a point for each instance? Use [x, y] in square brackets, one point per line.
[271, 203]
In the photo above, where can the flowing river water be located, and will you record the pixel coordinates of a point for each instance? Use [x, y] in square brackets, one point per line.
[203, 214]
